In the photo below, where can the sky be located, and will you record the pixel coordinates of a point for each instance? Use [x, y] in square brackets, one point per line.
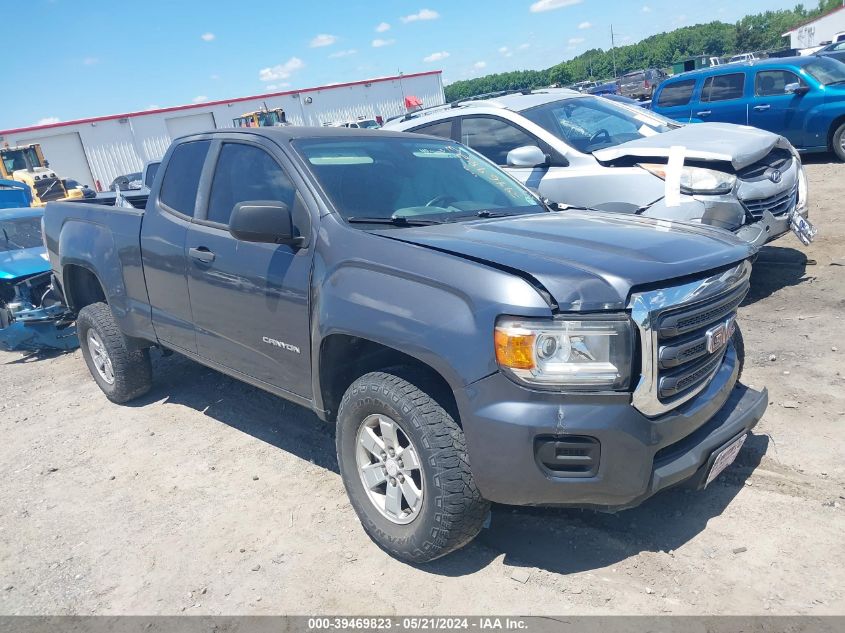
[84, 58]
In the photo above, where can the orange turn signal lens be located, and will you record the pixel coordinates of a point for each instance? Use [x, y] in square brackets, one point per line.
[514, 349]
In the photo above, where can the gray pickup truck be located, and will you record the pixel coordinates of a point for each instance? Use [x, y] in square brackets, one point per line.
[470, 344]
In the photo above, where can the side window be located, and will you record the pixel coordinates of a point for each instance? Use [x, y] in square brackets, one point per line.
[676, 94]
[768, 83]
[182, 178]
[493, 138]
[443, 129]
[723, 87]
[243, 173]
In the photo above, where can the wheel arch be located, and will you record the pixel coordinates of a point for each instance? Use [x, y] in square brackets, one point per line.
[837, 122]
[344, 358]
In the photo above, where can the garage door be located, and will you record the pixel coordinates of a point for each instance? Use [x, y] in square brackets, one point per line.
[190, 124]
[66, 156]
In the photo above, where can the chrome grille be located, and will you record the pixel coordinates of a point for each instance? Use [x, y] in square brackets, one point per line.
[674, 324]
[777, 205]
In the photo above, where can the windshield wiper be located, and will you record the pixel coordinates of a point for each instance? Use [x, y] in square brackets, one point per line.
[397, 221]
[836, 83]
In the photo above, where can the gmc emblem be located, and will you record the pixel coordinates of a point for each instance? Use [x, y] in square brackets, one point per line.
[719, 335]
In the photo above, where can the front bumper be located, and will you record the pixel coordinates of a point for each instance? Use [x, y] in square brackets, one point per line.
[639, 456]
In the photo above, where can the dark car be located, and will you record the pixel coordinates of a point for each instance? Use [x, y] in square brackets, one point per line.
[835, 51]
[640, 84]
[469, 343]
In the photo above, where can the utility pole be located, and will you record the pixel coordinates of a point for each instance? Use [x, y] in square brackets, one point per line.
[613, 51]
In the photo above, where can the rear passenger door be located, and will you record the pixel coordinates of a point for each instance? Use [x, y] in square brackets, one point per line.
[722, 99]
[250, 300]
[774, 109]
[674, 100]
[163, 234]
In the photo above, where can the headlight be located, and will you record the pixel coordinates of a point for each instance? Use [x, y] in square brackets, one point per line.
[697, 179]
[584, 354]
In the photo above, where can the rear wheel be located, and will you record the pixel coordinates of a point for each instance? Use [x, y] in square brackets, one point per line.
[404, 463]
[121, 374]
[839, 142]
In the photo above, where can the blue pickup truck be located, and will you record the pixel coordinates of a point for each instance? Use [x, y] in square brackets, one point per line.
[470, 343]
[801, 98]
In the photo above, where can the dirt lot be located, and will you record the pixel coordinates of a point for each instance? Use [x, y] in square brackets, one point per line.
[210, 497]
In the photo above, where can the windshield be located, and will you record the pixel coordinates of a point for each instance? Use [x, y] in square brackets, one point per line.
[826, 71]
[16, 159]
[412, 179]
[589, 124]
[20, 233]
[369, 124]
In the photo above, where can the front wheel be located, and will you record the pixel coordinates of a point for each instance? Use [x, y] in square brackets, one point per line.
[839, 142]
[404, 463]
[121, 374]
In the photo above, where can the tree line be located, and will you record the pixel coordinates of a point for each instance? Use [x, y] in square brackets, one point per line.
[762, 31]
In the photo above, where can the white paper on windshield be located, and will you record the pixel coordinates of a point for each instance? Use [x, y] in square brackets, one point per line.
[673, 175]
[647, 131]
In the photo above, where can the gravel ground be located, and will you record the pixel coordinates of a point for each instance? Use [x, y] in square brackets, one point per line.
[211, 497]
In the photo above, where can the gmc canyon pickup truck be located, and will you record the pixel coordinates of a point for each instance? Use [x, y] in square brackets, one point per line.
[470, 344]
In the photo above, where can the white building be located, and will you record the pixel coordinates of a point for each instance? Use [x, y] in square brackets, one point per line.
[95, 151]
[822, 29]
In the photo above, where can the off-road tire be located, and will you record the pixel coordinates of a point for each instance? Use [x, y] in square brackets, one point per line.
[133, 374]
[453, 511]
[839, 142]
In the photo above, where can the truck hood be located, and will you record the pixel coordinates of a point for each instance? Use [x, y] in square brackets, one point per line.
[585, 260]
[23, 262]
[739, 145]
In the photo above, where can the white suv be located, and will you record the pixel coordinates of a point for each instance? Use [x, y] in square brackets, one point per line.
[587, 151]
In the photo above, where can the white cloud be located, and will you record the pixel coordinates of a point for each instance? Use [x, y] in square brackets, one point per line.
[215, 77]
[323, 39]
[200, 99]
[585, 25]
[436, 57]
[48, 120]
[281, 71]
[207, 37]
[153, 106]
[646, 8]
[378, 43]
[551, 5]
[525, 46]
[423, 14]
[574, 41]
[479, 65]
[382, 27]
[345, 53]
[90, 61]
[504, 50]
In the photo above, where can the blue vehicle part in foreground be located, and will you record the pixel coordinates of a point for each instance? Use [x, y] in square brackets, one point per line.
[14, 194]
[37, 329]
[29, 318]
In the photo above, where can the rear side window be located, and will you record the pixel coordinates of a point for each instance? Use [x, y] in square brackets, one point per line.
[768, 83]
[676, 94]
[245, 173]
[723, 87]
[182, 178]
[493, 138]
[443, 129]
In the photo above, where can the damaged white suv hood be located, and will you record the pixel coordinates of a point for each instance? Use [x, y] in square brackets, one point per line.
[738, 145]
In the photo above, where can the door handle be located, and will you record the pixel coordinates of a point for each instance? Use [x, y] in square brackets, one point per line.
[201, 254]
[762, 108]
[704, 113]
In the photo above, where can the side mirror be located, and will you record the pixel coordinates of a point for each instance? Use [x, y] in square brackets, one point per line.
[263, 221]
[796, 88]
[527, 156]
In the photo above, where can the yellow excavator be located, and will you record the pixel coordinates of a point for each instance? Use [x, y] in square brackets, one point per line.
[261, 118]
[26, 164]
